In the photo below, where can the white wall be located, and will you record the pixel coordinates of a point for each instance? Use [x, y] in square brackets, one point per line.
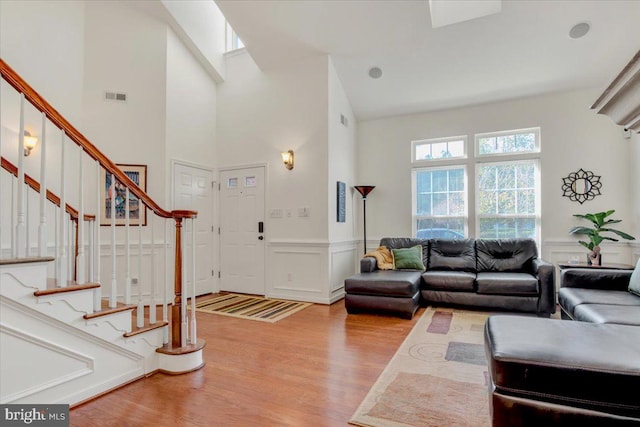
[127, 57]
[342, 158]
[190, 110]
[634, 169]
[43, 41]
[572, 136]
[261, 115]
[202, 27]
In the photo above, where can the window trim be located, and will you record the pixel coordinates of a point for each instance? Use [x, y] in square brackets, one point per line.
[535, 152]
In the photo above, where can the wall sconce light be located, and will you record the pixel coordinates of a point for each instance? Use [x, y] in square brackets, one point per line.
[287, 159]
[30, 142]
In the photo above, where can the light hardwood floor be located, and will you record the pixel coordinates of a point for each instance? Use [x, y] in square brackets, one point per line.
[310, 369]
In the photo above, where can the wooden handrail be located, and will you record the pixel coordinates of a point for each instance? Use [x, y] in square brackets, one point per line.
[56, 118]
[53, 198]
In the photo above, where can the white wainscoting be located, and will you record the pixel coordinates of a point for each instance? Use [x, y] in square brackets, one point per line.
[309, 270]
[635, 252]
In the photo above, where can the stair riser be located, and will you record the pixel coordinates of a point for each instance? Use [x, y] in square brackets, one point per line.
[32, 275]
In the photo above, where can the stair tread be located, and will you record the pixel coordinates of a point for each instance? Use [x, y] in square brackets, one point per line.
[25, 260]
[149, 327]
[109, 310]
[71, 288]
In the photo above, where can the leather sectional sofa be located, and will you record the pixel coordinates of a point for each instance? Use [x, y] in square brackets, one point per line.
[504, 274]
[569, 373]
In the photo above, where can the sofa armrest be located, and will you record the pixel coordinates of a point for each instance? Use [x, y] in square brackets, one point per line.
[546, 274]
[615, 280]
[368, 265]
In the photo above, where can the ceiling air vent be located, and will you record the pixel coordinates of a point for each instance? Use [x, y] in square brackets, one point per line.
[114, 96]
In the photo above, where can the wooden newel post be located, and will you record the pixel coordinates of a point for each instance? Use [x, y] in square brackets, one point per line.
[176, 309]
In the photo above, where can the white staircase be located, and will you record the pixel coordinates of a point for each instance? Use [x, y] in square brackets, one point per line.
[55, 349]
[82, 317]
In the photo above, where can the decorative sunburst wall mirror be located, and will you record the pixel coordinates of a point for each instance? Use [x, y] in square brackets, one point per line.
[581, 186]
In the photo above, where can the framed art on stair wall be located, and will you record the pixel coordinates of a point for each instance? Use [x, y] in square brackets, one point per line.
[137, 210]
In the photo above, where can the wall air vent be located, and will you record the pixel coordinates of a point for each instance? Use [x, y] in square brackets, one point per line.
[114, 96]
[344, 120]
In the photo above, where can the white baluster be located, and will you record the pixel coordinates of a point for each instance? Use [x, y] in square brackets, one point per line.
[27, 237]
[90, 251]
[114, 280]
[127, 248]
[165, 291]
[97, 296]
[42, 229]
[140, 312]
[62, 254]
[20, 225]
[194, 338]
[13, 215]
[152, 303]
[71, 250]
[81, 276]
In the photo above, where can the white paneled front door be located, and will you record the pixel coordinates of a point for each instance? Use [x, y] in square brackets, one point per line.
[242, 244]
[193, 190]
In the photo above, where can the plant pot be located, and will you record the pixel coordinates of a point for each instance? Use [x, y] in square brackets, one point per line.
[594, 260]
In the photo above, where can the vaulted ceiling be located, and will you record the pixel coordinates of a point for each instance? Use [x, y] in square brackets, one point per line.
[522, 50]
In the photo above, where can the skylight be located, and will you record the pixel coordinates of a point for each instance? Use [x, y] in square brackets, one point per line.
[447, 12]
[233, 42]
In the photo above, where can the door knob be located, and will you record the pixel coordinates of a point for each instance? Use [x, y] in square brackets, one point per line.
[260, 237]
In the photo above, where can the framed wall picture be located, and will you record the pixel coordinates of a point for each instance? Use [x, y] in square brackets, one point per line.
[137, 210]
[341, 201]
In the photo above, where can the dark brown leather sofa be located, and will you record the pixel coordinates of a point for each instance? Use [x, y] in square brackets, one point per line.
[503, 274]
[552, 372]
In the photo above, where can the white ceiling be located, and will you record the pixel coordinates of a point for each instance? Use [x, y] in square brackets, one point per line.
[523, 50]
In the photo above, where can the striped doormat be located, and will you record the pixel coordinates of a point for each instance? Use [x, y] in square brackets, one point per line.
[251, 307]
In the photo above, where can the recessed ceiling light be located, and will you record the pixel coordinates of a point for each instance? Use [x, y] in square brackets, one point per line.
[375, 72]
[579, 30]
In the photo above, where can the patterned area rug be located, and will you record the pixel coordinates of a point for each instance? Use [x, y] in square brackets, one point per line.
[438, 377]
[251, 307]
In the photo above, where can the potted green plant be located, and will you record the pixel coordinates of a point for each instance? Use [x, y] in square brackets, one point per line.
[600, 225]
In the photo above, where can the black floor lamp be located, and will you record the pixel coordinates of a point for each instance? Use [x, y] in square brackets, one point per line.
[364, 190]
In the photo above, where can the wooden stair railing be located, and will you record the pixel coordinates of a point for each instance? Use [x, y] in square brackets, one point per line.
[35, 185]
[178, 333]
[53, 198]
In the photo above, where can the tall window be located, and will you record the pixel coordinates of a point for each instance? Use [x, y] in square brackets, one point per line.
[506, 199]
[506, 188]
[440, 202]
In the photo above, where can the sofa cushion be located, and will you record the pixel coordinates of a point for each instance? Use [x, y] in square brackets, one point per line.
[449, 280]
[387, 283]
[602, 313]
[570, 363]
[454, 254]
[570, 298]
[408, 258]
[506, 254]
[507, 284]
[407, 242]
[634, 282]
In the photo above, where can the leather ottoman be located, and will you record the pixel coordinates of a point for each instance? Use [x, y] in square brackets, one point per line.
[391, 292]
[551, 372]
